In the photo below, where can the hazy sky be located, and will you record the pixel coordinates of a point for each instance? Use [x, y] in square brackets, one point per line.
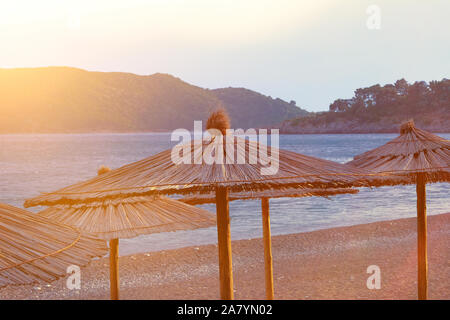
[309, 51]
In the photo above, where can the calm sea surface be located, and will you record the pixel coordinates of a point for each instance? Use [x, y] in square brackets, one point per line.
[33, 163]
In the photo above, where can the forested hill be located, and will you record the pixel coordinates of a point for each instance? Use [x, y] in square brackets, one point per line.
[381, 109]
[62, 99]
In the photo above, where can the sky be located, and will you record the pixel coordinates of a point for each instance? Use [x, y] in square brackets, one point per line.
[312, 51]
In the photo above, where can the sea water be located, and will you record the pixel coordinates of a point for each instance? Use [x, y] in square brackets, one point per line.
[30, 164]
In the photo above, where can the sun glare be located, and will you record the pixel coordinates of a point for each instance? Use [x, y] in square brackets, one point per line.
[196, 18]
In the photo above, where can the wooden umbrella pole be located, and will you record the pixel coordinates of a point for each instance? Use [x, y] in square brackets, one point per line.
[267, 248]
[224, 242]
[114, 268]
[422, 237]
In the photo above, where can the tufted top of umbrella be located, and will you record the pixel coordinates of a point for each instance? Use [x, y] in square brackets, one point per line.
[34, 249]
[413, 151]
[279, 193]
[131, 217]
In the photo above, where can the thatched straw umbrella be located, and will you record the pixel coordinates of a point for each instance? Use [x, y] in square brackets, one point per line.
[265, 196]
[111, 219]
[34, 249]
[162, 174]
[208, 198]
[423, 158]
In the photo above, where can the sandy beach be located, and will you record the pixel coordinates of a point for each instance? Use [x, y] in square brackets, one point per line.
[324, 264]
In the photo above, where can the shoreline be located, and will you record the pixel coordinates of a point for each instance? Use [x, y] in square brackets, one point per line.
[321, 264]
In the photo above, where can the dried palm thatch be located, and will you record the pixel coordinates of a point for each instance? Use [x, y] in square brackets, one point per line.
[158, 174]
[218, 120]
[422, 157]
[280, 193]
[103, 169]
[413, 151]
[131, 217]
[35, 249]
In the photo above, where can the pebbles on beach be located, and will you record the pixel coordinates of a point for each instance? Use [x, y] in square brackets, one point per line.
[323, 264]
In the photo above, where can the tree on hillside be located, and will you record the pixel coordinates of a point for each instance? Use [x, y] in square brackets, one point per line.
[401, 99]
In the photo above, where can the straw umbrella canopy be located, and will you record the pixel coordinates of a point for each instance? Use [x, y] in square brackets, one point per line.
[164, 174]
[208, 198]
[111, 219]
[35, 249]
[421, 157]
[131, 217]
[265, 195]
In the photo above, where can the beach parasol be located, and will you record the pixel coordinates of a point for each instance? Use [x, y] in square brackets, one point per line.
[34, 249]
[265, 195]
[208, 198]
[112, 219]
[423, 158]
[162, 174]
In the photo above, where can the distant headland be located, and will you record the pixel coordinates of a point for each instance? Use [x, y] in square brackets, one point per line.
[71, 100]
